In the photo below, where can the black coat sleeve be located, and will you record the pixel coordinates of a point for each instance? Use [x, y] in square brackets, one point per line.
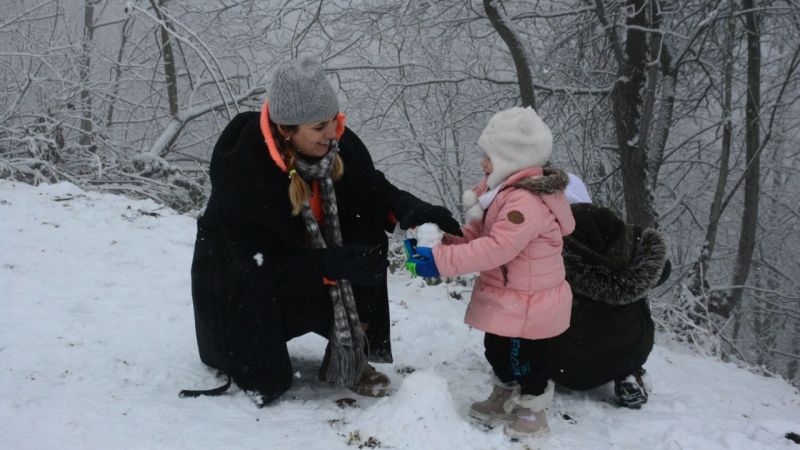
[382, 198]
[252, 213]
[378, 194]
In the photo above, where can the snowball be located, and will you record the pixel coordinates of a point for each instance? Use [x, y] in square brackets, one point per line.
[428, 235]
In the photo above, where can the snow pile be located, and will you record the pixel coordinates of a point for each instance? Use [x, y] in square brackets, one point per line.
[423, 408]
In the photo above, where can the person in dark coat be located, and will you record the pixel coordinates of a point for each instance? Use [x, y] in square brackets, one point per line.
[293, 240]
[610, 266]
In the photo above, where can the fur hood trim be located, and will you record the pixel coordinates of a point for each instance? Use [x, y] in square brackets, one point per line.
[616, 285]
[551, 182]
[536, 180]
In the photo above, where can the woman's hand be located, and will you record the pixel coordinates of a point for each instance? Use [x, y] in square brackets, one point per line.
[411, 212]
[359, 264]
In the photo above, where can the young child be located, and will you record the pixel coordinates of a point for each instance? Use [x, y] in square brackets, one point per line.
[519, 217]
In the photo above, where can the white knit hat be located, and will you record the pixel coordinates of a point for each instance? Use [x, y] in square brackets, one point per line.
[576, 191]
[300, 93]
[515, 139]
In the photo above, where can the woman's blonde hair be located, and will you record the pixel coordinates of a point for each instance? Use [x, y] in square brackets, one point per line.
[299, 190]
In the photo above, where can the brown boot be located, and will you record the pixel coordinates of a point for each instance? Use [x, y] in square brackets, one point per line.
[491, 410]
[528, 414]
[527, 424]
[372, 383]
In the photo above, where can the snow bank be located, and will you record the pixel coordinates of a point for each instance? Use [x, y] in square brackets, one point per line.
[97, 338]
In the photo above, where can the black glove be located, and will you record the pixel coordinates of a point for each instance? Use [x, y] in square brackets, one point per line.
[411, 212]
[359, 264]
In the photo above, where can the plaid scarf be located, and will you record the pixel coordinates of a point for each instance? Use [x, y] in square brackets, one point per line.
[346, 341]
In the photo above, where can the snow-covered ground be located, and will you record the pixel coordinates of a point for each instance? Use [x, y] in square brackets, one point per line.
[97, 338]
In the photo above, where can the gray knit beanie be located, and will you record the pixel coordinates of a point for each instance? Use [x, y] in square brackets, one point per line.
[300, 94]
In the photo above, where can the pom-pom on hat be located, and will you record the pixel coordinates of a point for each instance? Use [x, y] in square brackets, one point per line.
[470, 201]
[300, 93]
[515, 139]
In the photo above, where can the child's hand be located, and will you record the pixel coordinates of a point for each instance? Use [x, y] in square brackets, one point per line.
[419, 260]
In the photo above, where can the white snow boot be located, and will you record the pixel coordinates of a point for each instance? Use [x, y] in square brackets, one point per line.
[528, 413]
[491, 409]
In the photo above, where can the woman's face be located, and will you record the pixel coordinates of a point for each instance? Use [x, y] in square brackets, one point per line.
[486, 165]
[314, 139]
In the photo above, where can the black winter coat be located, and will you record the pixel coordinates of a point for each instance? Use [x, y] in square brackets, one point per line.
[610, 267]
[255, 282]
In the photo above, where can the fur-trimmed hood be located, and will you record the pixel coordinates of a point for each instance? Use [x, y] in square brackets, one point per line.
[552, 181]
[539, 181]
[609, 261]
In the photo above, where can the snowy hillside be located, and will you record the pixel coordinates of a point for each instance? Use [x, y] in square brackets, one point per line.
[97, 338]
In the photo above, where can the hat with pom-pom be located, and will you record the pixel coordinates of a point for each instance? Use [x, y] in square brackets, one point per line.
[515, 139]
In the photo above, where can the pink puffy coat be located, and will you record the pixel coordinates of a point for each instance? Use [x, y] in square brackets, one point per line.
[521, 291]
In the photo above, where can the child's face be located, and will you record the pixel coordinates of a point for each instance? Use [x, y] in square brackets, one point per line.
[486, 165]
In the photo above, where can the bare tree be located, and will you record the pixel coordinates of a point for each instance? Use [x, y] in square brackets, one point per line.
[170, 71]
[626, 101]
[87, 116]
[747, 234]
[519, 52]
[699, 281]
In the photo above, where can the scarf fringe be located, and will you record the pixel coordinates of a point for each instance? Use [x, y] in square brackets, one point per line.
[345, 365]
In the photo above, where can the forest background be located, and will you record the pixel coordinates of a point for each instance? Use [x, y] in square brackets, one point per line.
[680, 115]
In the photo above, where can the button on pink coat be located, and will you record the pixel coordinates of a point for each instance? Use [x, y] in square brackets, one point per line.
[532, 300]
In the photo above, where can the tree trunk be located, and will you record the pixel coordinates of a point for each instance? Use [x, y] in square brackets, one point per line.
[117, 72]
[170, 72]
[519, 53]
[747, 233]
[626, 102]
[655, 153]
[87, 120]
[698, 283]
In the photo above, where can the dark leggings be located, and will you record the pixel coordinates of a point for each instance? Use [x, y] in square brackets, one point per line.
[513, 359]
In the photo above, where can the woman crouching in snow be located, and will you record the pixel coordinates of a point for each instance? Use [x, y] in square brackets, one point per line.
[293, 241]
[519, 218]
[611, 267]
